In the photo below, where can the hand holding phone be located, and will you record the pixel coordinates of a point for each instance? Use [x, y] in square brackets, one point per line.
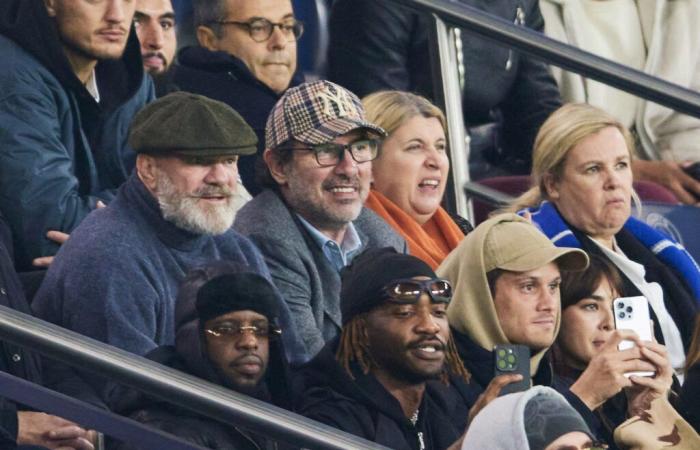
[512, 359]
[632, 313]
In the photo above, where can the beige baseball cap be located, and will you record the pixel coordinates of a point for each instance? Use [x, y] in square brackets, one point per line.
[521, 247]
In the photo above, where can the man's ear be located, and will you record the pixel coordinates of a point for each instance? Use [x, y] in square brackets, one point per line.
[276, 169]
[207, 38]
[50, 7]
[551, 186]
[146, 169]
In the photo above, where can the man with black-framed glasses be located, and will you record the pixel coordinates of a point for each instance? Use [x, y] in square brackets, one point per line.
[310, 222]
[246, 58]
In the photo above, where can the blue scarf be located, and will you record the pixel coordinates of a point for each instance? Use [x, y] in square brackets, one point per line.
[670, 252]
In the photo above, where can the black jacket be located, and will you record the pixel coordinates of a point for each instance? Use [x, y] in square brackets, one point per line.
[689, 402]
[381, 45]
[181, 422]
[13, 359]
[223, 77]
[363, 407]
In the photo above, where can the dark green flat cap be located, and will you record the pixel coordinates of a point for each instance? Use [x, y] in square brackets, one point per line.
[189, 124]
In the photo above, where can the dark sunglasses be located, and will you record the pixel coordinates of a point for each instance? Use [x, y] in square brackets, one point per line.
[409, 290]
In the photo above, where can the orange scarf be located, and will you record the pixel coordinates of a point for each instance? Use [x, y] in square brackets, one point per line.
[430, 242]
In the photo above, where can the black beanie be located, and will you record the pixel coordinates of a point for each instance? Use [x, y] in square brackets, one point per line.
[369, 272]
[237, 292]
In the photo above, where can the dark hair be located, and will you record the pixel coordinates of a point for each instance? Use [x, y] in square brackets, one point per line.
[208, 12]
[693, 356]
[576, 286]
[354, 346]
[492, 277]
[282, 155]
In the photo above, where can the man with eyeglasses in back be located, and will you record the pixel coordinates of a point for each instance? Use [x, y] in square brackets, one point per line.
[227, 332]
[309, 223]
[246, 58]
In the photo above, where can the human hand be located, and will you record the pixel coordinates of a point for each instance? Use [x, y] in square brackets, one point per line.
[645, 389]
[671, 175]
[491, 392]
[53, 432]
[56, 236]
[605, 374]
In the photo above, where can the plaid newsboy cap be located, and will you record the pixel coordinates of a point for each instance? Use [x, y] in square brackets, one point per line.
[193, 125]
[316, 113]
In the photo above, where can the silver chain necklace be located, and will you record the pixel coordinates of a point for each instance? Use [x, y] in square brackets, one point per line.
[414, 418]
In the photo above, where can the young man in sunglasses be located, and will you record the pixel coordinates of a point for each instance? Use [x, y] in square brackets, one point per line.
[246, 58]
[386, 378]
[227, 332]
[310, 222]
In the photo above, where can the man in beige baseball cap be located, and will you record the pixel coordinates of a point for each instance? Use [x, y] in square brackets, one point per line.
[505, 276]
[310, 222]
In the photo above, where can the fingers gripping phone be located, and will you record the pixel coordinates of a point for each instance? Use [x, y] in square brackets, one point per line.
[509, 359]
[632, 313]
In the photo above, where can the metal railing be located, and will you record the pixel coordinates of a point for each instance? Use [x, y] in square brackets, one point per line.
[175, 387]
[449, 14]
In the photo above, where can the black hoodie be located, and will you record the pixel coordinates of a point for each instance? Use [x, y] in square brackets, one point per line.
[363, 406]
[189, 356]
[60, 150]
[224, 77]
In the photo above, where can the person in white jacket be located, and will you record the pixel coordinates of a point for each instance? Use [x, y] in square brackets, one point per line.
[659, 37]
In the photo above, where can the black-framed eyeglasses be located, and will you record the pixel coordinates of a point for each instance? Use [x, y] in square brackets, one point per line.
[261, 29]
[409, 290]
[234, 330]
[331, 154]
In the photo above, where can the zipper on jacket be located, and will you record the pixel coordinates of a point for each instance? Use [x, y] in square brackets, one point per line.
[518, 21]
[421, 442]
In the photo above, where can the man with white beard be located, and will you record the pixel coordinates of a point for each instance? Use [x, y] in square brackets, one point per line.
[116, 278]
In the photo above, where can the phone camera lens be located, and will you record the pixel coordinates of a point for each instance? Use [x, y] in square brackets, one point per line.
[620, 305]
[629, 309]
[621, 314]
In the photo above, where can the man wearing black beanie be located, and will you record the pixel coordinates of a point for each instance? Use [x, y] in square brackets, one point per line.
[227, 332]
[386, 377]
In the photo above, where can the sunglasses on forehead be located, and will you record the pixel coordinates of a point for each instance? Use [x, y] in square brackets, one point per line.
[409, 290]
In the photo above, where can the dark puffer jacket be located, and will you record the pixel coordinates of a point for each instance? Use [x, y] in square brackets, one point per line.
[224, 77]
[60, 150]
[382, 45]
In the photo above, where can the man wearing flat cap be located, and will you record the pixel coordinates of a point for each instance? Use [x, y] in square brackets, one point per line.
[228, 333]
[116, 279]
[309, 222]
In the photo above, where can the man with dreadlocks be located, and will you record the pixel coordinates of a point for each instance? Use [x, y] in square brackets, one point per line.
[386, 377]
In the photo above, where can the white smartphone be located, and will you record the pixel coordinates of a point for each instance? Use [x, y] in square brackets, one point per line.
[632, 313]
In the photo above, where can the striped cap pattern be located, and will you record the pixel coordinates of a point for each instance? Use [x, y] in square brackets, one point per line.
[315, 113]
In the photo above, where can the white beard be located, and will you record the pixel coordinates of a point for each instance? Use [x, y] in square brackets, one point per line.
[186, 210]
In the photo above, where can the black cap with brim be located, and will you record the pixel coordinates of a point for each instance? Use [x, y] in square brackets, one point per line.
[188, 124]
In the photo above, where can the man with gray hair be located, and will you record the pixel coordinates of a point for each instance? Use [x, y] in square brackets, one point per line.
[246, 58]
[310, 222]
[116, 279]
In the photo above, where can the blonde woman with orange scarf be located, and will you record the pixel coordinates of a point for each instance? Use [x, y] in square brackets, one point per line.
[410, 174]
